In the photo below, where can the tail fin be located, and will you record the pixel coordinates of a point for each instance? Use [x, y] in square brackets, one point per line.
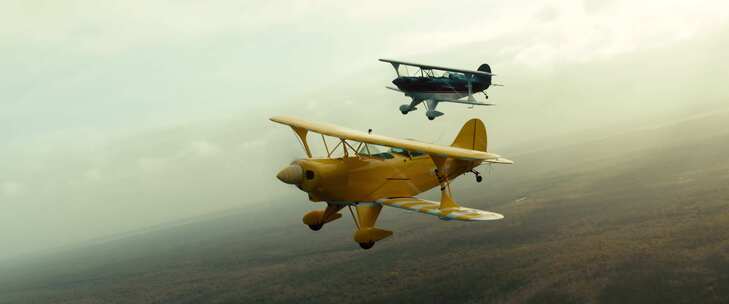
[484, 68]
[472, 136]
[485, 79]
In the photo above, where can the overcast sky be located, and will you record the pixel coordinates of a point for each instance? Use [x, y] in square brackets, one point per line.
[118, 115]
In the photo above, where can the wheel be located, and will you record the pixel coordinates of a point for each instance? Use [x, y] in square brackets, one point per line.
[404, 112]
[367, 245]
[316, 227]
[431, 117]
[479, 178]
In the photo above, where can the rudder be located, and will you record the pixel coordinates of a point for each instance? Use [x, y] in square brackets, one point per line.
[486, 80]
[472, 136]
[484, 68]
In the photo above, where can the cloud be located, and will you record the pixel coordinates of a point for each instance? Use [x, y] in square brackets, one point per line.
[110, 27]
[93, 175]
[191, 152]
[153, 164]
[549, 32]
[255, 144]
[11, 188]
[203, 148]
[117, 26]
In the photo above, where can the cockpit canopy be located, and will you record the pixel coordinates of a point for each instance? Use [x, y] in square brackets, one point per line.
[376, 151]
[453, 75]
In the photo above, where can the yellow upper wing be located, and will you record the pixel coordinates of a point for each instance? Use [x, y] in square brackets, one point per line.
[344, 133]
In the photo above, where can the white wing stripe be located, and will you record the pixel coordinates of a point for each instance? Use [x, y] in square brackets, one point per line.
[459, 213]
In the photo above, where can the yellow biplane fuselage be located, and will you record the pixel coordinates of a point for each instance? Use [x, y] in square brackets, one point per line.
[367, 178]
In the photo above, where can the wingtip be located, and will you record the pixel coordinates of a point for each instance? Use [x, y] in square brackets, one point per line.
[506, 161]
[491, 216]
[497, 159]
[284, 119]
[487, 216]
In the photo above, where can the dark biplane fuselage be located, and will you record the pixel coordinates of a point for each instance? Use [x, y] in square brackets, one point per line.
[450, 84]
[443, 88]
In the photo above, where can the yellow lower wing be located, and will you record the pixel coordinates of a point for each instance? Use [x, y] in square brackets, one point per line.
[433, 208]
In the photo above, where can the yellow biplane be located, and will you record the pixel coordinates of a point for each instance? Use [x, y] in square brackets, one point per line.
[366, 178]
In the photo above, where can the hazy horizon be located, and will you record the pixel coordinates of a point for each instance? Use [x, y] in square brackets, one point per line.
[116, 117]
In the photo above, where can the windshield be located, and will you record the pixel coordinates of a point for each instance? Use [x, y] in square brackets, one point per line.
[405, 152]
[377, 151]
[374, 151]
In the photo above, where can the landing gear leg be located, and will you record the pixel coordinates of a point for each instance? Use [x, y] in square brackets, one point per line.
[367, 235]
[432, 113]
[317, 218]
[478, 176]
[405, 109]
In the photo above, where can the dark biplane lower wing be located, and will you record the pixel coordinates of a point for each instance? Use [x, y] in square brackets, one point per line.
[395, 63]
[475, 103]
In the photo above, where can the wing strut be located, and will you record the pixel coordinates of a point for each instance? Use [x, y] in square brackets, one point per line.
[356, 224]
[396, 66]
[325, 145]
[446, 200]
[470, 89]
[301, 133]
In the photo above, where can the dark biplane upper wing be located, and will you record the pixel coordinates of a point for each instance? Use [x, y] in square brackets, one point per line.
[433, 67]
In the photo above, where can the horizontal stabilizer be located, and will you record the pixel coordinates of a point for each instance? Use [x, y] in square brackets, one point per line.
[433, 208]
[474, 103]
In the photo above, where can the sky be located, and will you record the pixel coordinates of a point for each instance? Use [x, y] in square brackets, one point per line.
[121, 115]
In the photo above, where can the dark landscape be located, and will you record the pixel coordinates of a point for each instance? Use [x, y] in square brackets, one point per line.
[639, 217]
